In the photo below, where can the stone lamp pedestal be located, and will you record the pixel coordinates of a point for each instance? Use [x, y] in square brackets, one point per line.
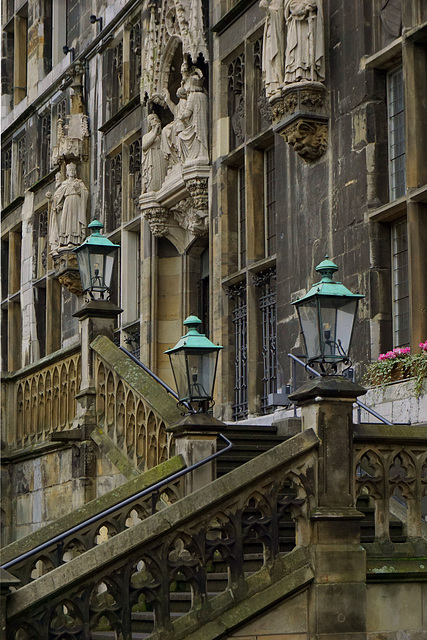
[195, 439]
[338, 594]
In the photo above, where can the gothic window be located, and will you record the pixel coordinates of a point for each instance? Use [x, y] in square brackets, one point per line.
[135, 177]
[396, 133]
[236, 100]
[115, 192]
[117, 76]
[266, 281]
[45, 144]
[61, 109]
[6, 171]
[135, 59]
[241, 206]
[270, 202]
[400, 283]
[239, 320]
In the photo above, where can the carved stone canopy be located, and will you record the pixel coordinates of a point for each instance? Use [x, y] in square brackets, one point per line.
[67, 272]
[300, 117]
[72, 138]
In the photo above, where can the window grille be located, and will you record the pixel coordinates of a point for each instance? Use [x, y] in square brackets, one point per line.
[240, 323]
[266, 281]
[396, 133]
[400, 283]
[242, 217]
[270, 202]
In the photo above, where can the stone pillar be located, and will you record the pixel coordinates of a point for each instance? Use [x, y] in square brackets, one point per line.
[337, 601]
[195, 438]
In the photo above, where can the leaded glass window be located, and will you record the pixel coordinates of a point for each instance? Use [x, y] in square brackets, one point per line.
[270, 202]
[241, 198]
[239, 318]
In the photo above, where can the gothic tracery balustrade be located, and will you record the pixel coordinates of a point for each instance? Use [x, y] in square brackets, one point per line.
[390, 472]
[238, 521]
[133, 425]
[45, 400]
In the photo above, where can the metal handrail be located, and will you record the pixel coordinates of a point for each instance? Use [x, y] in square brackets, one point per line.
[99, 516]
[360, 404]
[156, 378]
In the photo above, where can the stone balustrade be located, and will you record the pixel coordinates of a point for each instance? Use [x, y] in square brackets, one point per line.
[40, 399]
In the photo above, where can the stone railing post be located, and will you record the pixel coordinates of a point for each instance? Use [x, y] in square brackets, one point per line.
[195, 438]
[338, 595]
[96, 317]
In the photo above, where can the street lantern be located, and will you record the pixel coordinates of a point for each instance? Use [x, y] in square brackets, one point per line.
[95, 257]
[194, 361]
[326, 315]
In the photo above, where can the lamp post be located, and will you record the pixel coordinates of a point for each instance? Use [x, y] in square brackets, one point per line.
[194, 362]
[327, 314]
[95, 258]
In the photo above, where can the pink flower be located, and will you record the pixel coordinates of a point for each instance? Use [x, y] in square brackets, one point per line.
[423, 345]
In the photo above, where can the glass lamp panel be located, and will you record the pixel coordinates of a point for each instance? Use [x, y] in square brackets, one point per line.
[309, 321]
[97, 269]
[336, 322]
[179, 369]
[201, 367]
[108, 272]
[84, 268]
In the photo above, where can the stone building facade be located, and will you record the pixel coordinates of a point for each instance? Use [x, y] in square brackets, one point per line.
[227, 146]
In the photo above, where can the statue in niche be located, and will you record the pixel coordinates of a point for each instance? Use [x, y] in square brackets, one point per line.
[71, 197]
[273, 48]
[54, 215]
[169, 145]
[305, 47]
[193, 138]
[153, 163]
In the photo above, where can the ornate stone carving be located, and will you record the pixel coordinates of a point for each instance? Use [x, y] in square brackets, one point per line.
[305, 47]
[190, 217]
[198, 188]
[299, 115]
[72, 139]
[308, 138]
[67, 271]
[156, 218]
[153, 162]
[71, 281]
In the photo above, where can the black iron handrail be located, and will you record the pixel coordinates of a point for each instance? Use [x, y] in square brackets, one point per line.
[99, 516]
[360, 404]
[156, 378]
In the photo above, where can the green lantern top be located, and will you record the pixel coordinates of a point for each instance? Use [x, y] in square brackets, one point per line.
[327, 286]
[193, 339]
[96, 239]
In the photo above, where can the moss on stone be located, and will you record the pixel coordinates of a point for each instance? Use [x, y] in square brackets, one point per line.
[92, 508]
[152, 392]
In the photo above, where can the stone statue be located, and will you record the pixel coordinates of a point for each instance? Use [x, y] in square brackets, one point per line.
[273, 48]
[54, 215]
[170, 131]
[193, 139]
[71, 196]
[305, 47]
[153, 163]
